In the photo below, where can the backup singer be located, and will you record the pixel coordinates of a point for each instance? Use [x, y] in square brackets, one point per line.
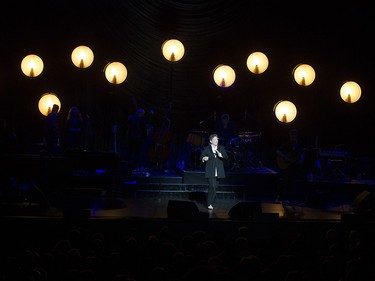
[213, 155]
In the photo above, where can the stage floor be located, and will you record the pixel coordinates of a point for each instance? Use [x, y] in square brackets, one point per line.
[94, 204]
[306, 201]
[150, 208]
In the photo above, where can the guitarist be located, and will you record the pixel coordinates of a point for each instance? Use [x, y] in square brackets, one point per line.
[289, 159]
[290, 154]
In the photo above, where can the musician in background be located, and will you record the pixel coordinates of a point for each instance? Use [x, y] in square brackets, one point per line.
[137, 133]
[289, 155]
[225, 128]
[289, 160]
[299, 161]
[74, 128]
[52, 130]
[159, 150]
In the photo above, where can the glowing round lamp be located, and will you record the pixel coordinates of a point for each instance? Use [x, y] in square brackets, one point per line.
[173, 50]
[224, 76]
[257, 62]
[115, 72]
[46, 102]
[82, 57]
[304, 74]
[32, 65]
[350, 92]
[285, 111]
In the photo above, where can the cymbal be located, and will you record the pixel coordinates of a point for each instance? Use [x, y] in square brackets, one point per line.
[199, 132]
[248, 135]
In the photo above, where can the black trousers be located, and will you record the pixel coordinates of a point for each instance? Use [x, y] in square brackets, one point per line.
[211, 193]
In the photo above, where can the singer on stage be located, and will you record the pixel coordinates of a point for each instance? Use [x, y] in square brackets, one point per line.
[213, 156]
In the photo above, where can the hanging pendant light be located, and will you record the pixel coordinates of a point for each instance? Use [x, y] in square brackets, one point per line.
[350, 92]
[115, 72]
[82, 57]
[32, 65]
[173, 50]
[285, 111]
[257, 62]
[47, 101]
[304, 74]
[224, 76]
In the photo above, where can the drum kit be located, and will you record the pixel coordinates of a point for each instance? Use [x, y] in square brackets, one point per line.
[242, 150]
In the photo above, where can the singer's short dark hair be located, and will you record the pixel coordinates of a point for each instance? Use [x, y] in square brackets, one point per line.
[212, 136]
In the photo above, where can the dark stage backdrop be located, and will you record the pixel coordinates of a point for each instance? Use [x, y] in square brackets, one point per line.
[334, 40]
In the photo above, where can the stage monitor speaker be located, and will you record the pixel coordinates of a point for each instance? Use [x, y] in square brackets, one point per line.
[245, 210]
[182, 210]
[364, 202]
[76, 214]
[36, 195]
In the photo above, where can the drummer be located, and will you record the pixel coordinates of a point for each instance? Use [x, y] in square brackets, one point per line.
[225, 128]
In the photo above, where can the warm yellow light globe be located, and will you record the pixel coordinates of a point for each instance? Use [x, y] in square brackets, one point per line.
[257, 62]
[224, 76]
[173, 50]
[304, 74]
[82, 56]
[115, 72]
[285, 111]
[46, 102]
[32, 65]
[350, 92]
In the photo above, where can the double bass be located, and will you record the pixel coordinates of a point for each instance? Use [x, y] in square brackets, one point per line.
[159, 152]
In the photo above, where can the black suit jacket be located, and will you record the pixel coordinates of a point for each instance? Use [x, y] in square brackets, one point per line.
[214, 162]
